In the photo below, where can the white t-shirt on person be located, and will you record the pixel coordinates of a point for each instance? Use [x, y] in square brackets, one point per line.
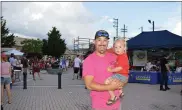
[77, 62]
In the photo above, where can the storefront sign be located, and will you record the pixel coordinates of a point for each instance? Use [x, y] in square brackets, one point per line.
[139, 58]
[175, 79]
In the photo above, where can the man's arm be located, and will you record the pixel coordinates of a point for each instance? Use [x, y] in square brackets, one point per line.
[90, 84]
[167, 66]
[114, 70]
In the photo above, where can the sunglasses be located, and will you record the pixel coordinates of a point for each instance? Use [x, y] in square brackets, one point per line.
[104, 34]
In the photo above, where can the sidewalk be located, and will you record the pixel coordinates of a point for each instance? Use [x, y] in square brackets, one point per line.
[44, 95]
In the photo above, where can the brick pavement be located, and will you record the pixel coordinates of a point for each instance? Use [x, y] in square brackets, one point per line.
[44, 95]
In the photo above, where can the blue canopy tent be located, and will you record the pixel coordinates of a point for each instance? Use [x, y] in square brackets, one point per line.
[155, 40]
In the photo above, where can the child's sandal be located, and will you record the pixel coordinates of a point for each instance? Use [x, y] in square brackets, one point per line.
[111, 102]
[121, 95]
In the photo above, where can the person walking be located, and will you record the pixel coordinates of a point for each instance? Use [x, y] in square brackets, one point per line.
[81, 67]
[64, 64]
[12, 61]
[24, 62]
[67, 64]
[76, 66]
[36, 68]
[5, 78]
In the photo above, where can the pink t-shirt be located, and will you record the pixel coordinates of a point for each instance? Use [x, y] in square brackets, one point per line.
[97, 67]
[5, 69]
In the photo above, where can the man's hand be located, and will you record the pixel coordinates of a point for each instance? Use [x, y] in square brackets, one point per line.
[109, 69]
[115, 84]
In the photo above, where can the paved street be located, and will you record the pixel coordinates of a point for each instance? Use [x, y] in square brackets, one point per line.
[44, 95]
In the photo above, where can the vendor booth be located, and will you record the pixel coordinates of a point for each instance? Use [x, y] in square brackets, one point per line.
[153, 77]
[145, 44]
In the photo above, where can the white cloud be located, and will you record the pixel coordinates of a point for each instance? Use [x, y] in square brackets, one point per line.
[178, 30]
[23, 36]
[105, 19]
[174, 22]
[133, 34]
[111, 20]
[37, 19]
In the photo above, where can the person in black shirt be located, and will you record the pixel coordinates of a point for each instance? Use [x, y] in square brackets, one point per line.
[164, 68]
[24, 62]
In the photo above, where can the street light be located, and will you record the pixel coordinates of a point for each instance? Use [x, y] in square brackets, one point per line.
[152, 23]
[115, 26]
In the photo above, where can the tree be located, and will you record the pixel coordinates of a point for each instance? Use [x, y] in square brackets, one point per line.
[56, 45]
[7, 40]
[32, 46]
[45, 47]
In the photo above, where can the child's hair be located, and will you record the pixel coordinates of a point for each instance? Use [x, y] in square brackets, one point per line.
[125, 43]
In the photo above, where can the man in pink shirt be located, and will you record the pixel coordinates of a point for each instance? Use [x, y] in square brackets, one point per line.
[95, 72]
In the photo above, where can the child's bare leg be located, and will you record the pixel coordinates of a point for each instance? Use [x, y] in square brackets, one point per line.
[107, 81]
[112, 95]
[121, 90]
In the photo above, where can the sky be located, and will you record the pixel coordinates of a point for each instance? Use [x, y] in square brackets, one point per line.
[83, 19]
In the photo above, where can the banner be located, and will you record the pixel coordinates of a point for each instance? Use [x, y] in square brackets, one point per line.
[143, 77]
[175, 78]
[139, 58]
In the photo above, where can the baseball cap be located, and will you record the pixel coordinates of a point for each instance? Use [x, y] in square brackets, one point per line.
[101, 33]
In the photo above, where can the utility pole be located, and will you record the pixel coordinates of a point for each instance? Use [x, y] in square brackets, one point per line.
[124, 30]
[116, 26]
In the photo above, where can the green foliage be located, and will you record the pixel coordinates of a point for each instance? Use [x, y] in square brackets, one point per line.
[32, 46]
[45, 47]
[7, 40]
[56, 45]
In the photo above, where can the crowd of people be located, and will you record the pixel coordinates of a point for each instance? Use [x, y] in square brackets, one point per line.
[154, 65]
[8, 67]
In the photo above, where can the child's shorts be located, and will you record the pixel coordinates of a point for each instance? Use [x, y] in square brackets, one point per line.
[120, 77]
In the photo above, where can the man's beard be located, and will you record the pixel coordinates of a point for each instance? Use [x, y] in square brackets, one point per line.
[102, 49]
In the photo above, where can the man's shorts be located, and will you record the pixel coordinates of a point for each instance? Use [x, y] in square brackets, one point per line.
[120, 77]
[5, 80]
[76, 69]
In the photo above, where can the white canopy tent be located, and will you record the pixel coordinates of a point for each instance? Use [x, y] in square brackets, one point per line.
[15, 52]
